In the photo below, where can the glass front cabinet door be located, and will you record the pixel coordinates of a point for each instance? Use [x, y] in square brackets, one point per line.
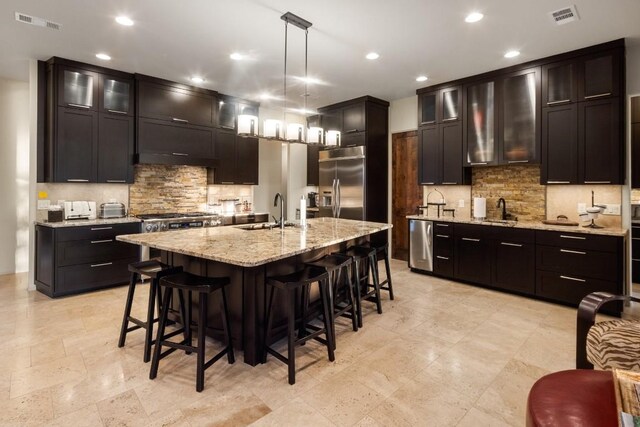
[117, 95]
[481, 147]
[77, 88]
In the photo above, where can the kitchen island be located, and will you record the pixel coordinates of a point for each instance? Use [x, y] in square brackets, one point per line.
[247, 257]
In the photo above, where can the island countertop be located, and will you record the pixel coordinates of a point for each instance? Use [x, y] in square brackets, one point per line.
[251, 248]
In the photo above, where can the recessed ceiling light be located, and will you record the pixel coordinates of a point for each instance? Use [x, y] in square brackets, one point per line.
[265, 96]
[422, 78]
[474, 17]
[236, 56]
[372, 55]
[103, 56]
[124, 20]
[511, 54]
[197, 79]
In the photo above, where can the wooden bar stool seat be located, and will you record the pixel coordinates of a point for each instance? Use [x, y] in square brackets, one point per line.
[204, 286]
[154, 270]
[290, 284]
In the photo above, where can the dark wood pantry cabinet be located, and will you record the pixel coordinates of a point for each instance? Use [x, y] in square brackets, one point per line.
[89, 124]
[237, 159]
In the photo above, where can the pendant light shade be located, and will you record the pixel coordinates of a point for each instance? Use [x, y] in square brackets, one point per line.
[273, 129]
[295, 132]
[332, 138]
[314, 135]
[247, 125]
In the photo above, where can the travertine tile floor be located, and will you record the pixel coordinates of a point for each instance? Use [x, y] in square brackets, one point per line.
[442, 354]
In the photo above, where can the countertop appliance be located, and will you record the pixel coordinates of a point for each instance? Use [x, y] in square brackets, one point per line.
[112, 209]
[80, 209]
[312, 199]
[342, 183]
[421, 245]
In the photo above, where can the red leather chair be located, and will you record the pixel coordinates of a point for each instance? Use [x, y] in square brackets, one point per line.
[575, 398]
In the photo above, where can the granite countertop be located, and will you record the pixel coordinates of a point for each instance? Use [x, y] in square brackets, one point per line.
[83, 222]
[533, 225]
[250, 248]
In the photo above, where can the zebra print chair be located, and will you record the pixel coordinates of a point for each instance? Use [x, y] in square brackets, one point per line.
[607, 344]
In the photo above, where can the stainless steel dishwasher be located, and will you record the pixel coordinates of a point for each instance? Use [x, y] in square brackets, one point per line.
[421, 245]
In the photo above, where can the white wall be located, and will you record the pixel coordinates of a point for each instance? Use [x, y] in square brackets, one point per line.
[270, 177]
[14, 176]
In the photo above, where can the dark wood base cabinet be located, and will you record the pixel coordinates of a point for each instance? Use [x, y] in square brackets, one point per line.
[71, 260]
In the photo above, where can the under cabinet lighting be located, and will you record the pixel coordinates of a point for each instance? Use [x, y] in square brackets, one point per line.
[474, 17]
[124, 20]
[511, 54]
[103, 56]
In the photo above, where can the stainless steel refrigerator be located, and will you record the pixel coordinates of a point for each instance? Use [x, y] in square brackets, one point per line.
[342, 183]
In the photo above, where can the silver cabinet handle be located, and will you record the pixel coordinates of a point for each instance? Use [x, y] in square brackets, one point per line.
[429, 183]
[101, 228]
[428, 123]
[117, 111]
[442, 225]
[78, 105]
[558, 182]
[598, 95]
[77, 180]
[516, 245]
[479, 163]
[104, 264]
[564, 236]
[180, 154]
[116, 181]
[450, 119]
[351, 131]
[517, 161]
[226, 182]
[444, 236]
[597, 182]
[562, 101]
[102, 241]
[470, 240]
[567, 251]
[442, 257]
[175, 119]
[248, 183]
[575, 279]
[449, 183]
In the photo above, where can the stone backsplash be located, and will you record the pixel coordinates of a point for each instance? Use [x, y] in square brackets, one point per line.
[519, 185]
[160, 188]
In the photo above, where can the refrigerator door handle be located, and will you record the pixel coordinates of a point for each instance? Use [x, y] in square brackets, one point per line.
[334, 199]
[339, 197]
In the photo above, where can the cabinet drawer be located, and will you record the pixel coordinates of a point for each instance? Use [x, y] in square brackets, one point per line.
[472, 231]
[443, 265]
[595, 264]
[442, 243]
[74, 252]
[96, 232]
[508, 234]
[571, 289]
[579, 241]
[77, 278]
[174, 104]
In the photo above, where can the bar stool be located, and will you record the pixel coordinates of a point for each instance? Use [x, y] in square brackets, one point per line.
[155, 270]
[338, 267]
[204, 286]
[367, 256]
[384, 251]
[290, 284]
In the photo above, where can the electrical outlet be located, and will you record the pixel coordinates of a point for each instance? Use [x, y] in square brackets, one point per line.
[611, 209]
[43, 205]
[461, 203]
[582, 208]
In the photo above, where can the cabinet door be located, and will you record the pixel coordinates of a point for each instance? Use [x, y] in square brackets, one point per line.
[332, 120]
[429, 155]
[115, 149]
[520, 117]
[559, 83]
[514, 266]
[560, 145]
[450, 104]
[427, 108]
[354, 139]
[353, 119]
[247, 160]
[313, 174]
[77, 88]
[175, 104]
[635, 157]
[116, 95]
[480, 124]
[225, 172]
[599, 76]
[160, 137]
[599, 142]
[451, 149]
[473, 260]
[76, 146]
[227, 114]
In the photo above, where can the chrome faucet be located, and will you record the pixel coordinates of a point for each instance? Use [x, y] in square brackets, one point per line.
[504, 208]
[275, 204]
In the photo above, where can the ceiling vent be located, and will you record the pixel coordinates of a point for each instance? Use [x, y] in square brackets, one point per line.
[565, 15]
[39, 22]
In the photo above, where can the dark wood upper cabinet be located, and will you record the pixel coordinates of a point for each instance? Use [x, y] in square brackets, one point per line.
[313, 170]
[599, 75]
[175, 104]
[519, 107]
[77, 88]
[450, 104]
[225, 172]
[247, 154]
[186, 144]
[480, 133]
[227, 114]
[599, 148]
[76, 146]
[353, 119]
[115, 148]
[332, 119]
[237, 159]
[450, 145]
[116, 95]
[429, 156]
[559, 83]
[560, 144]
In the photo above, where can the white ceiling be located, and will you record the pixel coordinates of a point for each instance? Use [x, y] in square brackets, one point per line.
[177, 39]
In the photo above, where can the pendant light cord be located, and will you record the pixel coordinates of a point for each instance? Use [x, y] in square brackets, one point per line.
[284, 101]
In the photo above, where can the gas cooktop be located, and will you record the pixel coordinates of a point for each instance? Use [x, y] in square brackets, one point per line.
[172, 215]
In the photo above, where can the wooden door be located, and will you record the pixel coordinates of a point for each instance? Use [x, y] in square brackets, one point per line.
[407, 194]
